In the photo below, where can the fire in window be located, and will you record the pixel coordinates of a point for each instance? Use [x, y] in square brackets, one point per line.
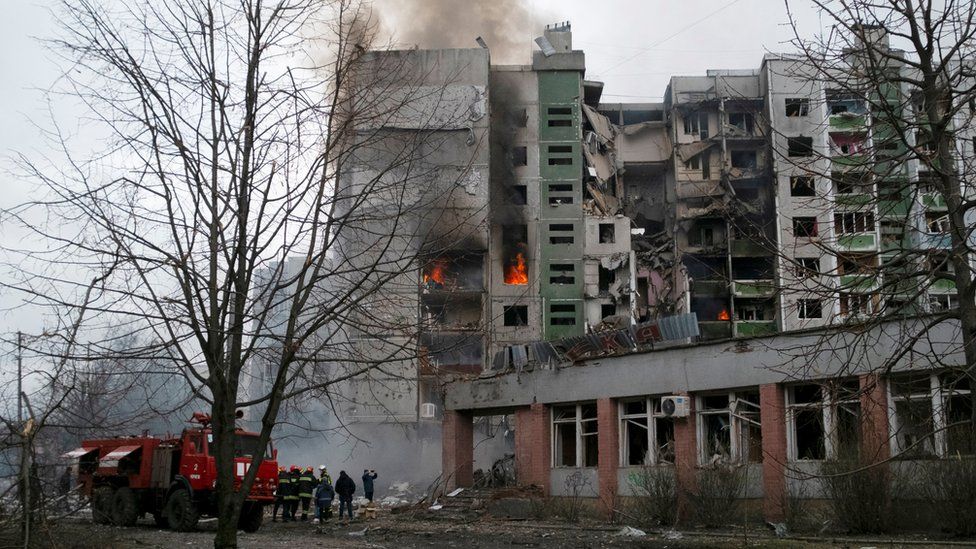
[514, 243]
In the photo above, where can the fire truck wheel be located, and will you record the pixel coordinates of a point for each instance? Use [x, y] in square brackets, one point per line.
[180, 511]
[125, 508]
[102, 505]
[251, 517]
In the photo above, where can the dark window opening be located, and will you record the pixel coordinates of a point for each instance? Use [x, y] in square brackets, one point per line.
[608, 309]
[606, 278]
[516, 315]
[560, 161]
[560, 110]
[802, 185]
[520, 156]
[562, 273]
[607, 233]
[799, 146]
[797, 107]
[807, 266]
[744, 121]
[804, 227]
[562, 309]
[746, 160]
[518, 195]
[561, 188]
[560, 123]
[560, 200]
[560, 149]
[810, 308]
[810, 441]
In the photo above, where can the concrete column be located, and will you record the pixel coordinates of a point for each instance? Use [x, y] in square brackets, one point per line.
[608, 428]
[772, 416]
[686, 460]
[532, 446]
[457, 449]
[875, 438]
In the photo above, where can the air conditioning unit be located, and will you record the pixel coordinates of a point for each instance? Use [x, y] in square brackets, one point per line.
[676, 406]
[428, 410]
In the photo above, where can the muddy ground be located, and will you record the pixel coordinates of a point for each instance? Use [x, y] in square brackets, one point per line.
[420, 531]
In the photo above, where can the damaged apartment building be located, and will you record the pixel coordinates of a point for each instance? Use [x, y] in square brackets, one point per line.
[550, 227]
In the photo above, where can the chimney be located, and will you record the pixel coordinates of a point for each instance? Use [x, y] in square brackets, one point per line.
[560, 35]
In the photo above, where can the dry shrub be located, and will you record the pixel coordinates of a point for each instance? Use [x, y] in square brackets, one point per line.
[858, 494]
[716, 499]
[655, 491]
[949, 487]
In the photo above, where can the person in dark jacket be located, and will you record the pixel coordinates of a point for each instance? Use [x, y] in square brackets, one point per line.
[279, 500]
[64, 488]
[292, 497]
[369, 476]
[306, 485]
[345, 487]
[324, 494]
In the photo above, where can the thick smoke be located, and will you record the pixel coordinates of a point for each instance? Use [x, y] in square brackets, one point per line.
[506, 25]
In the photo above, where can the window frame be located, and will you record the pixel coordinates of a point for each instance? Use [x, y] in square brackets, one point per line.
[652, 414]
[829, 406]
[579, 422]
[735, 426]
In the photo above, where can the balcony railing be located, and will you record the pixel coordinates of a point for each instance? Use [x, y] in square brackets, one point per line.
[753, 288]
[857, 242]
[748, 328]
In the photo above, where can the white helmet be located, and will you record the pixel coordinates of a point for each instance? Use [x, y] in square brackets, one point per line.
[321, 467]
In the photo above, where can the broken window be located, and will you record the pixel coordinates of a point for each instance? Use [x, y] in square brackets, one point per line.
[799, 146]
[647, 434]
[693, 163]
[606, 278]
[797, 106]
[607, 231]
[516, 315]
[943, 302]
[750, 312]
[913, 423]
[744, 160]
[854, 222]
[574, 436]
[556, 155]
[957, 405]
[562, 273]
[696, 123]
[607, 309]
[728, 428]
[562, 314]
[809, 308]
[520, 156]
[851, 182]
[823, 421]
[937, 223]
[802, 185]
[856, 304]
[804, 227]
[743, 121]
[561, 193]
[561, 233]
[518, 195]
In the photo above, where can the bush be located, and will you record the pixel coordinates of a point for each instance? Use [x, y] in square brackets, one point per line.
[655, 491]
[716, 499]
[949, 487]
[858, 494]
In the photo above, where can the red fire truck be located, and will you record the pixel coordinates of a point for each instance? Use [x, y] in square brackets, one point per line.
[172, 478]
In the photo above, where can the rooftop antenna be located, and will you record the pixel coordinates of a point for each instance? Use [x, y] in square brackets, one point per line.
[481, 42]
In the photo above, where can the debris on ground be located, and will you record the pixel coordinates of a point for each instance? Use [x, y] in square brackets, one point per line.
[672, 535]
[631, 532]
[455, 492]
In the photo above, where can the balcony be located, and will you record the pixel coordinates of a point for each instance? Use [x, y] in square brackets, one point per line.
[893, 208]
[753, 288]
[748, 248]
[859, 283]
[699, 189]
[856, 200]
[850, 161]
[858, 242]
[848, 122]
[750, 328]
[934, 201]
[709, 288]
[943, 286]
[715, 329]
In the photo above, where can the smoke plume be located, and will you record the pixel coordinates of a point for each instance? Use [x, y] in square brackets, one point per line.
[508, 26]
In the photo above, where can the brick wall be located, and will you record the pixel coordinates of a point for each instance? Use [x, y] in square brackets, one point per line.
[686, 460]
[608, 428]
[532, 446]
[772, 416]
[875, 440]
[457, 449]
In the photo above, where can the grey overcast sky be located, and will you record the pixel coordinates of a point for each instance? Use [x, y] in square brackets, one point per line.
[634, 46]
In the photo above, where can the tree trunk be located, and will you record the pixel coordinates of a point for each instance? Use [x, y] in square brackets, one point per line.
[228, 502]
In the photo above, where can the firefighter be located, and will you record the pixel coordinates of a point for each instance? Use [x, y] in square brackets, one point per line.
[324, 474]
[291, 498]
[324, 494]
[306, 484]
[280, 496]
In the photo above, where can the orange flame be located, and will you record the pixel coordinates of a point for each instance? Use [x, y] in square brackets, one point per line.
[516, 271]
[435, 272]
[724, 315]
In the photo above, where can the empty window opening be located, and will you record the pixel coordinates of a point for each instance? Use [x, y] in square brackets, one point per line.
[744, 160]
[518, 195]
[607, 233]
[520, 156]
[797, 106]
[562, 273]
[574, 436]
[648, 434]
[802, 185]
[804, 227]
[561, 238]
[743, 121]
[729, 429]
[607, 309]
[823, 421]
[560, 122]
[696, 123]
[856, 304]
[560, 160]
[809, 308]
[560, 110]
[606, 278]
[799, 146]
[807, 267]
[516, 315]
[937, 223]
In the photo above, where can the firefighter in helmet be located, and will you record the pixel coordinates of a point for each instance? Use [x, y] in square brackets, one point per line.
[306, 486]
[291, 496]
[279, 500]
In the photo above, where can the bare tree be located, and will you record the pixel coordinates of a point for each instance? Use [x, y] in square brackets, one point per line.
[255, 199]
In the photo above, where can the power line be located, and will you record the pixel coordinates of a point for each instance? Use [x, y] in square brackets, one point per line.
[670, 36]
